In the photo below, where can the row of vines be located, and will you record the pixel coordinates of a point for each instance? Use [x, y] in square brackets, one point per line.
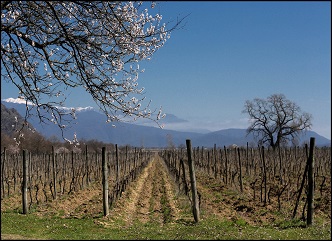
[265, 174]
[50, 175]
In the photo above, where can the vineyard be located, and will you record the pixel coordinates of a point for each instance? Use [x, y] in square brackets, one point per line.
[255, 185]
[274, 178]
[54, 174]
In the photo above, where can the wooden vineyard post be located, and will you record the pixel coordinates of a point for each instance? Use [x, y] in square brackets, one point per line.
[126, 161]
[302, 185]
[117, 163]
[226, 168]
[310, 195]
[280, 166]
[72, 184]
[184, 177]
[215, 161]
[247, 163]
[87, 165]
[193, 182]
[24, 183]
[54, 173]
[240, 175]
[117, 170]
[264, 175]
[105, 182]
[3, 163]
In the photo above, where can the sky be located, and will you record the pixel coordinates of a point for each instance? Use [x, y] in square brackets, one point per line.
[228, 52]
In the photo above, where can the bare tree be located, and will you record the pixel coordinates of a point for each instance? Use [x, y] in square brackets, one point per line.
[48, 47]
[276, 120]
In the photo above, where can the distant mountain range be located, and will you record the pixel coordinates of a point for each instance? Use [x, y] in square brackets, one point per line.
[92, 125]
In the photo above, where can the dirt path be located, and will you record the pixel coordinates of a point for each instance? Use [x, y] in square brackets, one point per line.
[151, 198]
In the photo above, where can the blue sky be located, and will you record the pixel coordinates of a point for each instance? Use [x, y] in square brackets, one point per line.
[230, 52]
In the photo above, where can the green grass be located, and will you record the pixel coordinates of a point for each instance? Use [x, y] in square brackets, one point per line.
[33, 226]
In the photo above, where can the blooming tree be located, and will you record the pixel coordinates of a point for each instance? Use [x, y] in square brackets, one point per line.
[48, 47]
[276, 120]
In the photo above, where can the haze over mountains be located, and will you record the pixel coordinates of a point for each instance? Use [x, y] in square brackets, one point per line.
[92, 125]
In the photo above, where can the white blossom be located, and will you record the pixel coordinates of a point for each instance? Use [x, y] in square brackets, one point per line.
[80, 49]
